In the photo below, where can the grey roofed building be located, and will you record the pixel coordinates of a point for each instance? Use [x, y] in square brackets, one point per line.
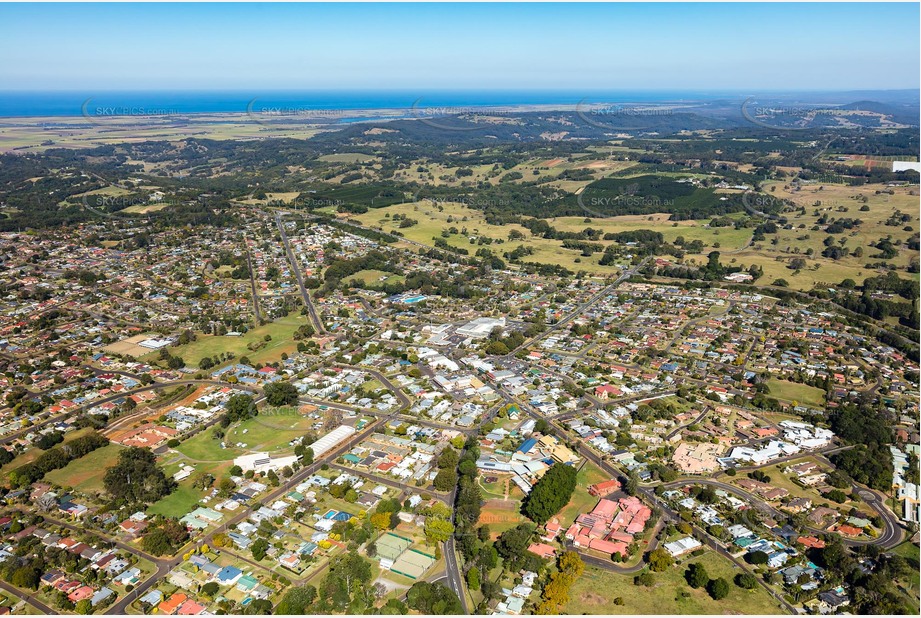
[101, 595]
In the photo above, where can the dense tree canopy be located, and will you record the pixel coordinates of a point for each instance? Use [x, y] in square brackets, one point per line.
[550, 494]
[241, 407]
[280, 394]
[433, 598]
[696, 575]
[136, 478]
[164, 537]
[347, 585]
[297, 601]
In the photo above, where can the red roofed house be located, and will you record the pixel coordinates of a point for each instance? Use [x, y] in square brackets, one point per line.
[133, 527]
[605, 508]
[608, 547]
[606, 390]
[811, 541]
[542, 550]
[170, 605]
[83, 592]
[847, 530]
[605, 488]
[553, 529]
[191, 608]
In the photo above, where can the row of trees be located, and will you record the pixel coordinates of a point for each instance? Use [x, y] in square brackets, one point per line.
[56, 458]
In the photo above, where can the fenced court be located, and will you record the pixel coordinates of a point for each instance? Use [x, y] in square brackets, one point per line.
[390, 546]
[413, 564]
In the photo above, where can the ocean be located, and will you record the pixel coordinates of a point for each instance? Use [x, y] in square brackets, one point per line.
[82, 103]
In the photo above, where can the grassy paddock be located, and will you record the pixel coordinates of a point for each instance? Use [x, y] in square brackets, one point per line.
[793, 391]
[86, 473]
[431, 222]
[281, 331]
[595, 591]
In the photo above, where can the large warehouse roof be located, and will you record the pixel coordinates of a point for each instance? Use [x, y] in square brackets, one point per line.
[331, 440]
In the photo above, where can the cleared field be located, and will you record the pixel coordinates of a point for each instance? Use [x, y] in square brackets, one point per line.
[204, 447]
[129, 346]
[144, 209]
[793, 391]
[595, 591]
[86, 474]
[372, 277]
[178, 503]
[502, 515]
[727, 238]
[837, 201]
[269, 433]
[36, 134]
[185, 496]
[281, 331]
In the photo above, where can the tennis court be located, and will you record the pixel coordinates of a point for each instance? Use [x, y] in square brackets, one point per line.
[413, 564]
[390, 546]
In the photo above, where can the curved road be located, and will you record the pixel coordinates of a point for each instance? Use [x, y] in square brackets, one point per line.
[892, 533]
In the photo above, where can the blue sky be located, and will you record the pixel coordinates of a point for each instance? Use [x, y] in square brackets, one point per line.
[460, 46]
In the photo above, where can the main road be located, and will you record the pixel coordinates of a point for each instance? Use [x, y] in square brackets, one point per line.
[296, 269]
